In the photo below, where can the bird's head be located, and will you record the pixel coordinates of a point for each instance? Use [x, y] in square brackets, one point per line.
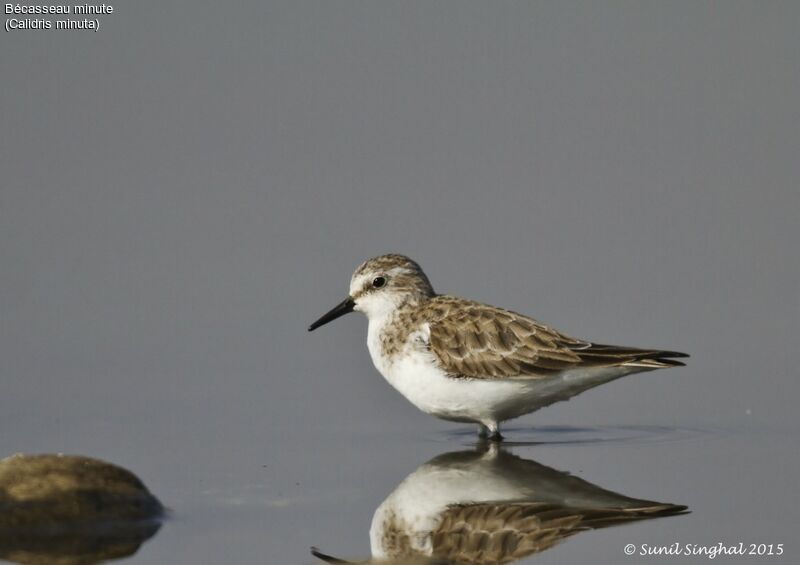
[379, 286]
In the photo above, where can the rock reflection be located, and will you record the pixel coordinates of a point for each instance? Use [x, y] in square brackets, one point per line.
[489, 506]
[58, 509]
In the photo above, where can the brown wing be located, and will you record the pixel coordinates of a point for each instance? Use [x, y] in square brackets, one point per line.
[505, 532]
[500, 533]
[475, 340]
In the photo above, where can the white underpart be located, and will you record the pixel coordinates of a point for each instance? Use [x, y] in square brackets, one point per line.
[415, 374]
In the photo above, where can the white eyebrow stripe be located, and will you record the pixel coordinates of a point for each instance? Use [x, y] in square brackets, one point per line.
[358, 283]
[396, 271]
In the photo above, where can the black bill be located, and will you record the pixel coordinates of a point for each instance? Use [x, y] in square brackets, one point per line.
[344, 307]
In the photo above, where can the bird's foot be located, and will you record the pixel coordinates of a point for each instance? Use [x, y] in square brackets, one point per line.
[495, 436]
[490, 433]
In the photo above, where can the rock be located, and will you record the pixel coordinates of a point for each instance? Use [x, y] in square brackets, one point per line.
[68, 509]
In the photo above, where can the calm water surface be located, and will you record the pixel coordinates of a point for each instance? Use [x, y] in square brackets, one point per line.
[184, 191]
[245, 501]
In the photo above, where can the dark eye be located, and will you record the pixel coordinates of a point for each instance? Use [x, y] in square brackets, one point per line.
[378, 282]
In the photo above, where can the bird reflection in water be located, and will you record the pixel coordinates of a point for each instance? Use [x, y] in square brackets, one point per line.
[489, 506]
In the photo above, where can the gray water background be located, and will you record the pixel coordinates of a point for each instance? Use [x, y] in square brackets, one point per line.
[185, 190]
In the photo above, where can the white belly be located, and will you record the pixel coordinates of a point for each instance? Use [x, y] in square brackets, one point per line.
[415, 375]
[417, 378]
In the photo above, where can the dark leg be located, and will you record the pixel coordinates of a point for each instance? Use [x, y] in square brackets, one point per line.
[490, 430]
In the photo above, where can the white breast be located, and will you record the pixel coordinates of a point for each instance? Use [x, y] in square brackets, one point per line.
[414, 373]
